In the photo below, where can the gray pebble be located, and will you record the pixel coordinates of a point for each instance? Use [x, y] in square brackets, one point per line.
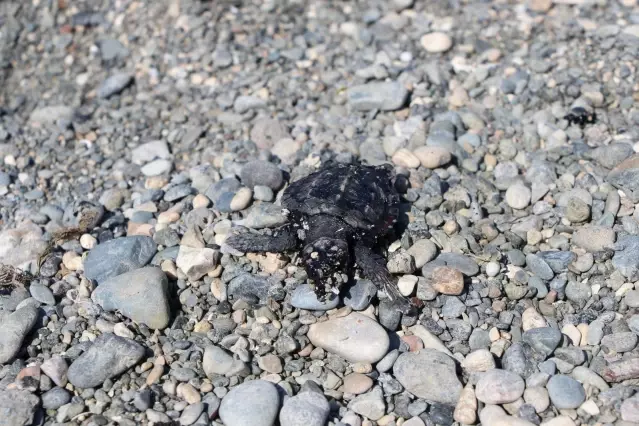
[565, 392]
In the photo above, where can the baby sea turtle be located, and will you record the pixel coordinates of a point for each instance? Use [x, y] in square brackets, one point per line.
[580, 116]
[337, 216]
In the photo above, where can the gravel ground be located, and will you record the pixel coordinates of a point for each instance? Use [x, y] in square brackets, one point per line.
[136, 135]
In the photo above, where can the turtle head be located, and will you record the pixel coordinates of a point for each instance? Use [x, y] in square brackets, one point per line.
[326, 260]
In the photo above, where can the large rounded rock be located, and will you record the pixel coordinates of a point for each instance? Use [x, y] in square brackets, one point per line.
[254, 403]
[13, 329]
[499, 387]
[118, 256]
[305, 409]
[429, 374]
[261, 172]
[109, 356]
[355, 337]
[141, 295]
[565, 392]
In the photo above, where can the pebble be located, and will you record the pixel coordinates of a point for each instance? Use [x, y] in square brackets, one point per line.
[436, 42]
[141, 295]
[518, 196]
[626, 257]
[304, 297]
[385, 96]
[262, 173]
[532, 319]
[492, 269]
[630, 409]
[114, 84]
[359, 296]
[593, 238]
[479, 360]
[217, 361]
[543, 339]
[197, 262]
[308, 408]
[423, 251]
[42, 294]
[19, 407]
[537, 396]
[118, 256]
[494, 415]
[254, 402]
[13, 329]
[499, 387]
[191, 413]
[565, 392]
[428, 374]
[447, 280]
[150, 151]
[356, 383]
[355, 337]
[55, 398]
[370, 405]
[539, 267]
[107, 357]
[624, 341]
[56, 369]
[432, 157]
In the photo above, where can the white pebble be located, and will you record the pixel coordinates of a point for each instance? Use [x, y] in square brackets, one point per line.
[88, 241]
[492, 269]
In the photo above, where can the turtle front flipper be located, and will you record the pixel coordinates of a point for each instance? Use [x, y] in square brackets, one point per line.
[283, 239]
[374, 268]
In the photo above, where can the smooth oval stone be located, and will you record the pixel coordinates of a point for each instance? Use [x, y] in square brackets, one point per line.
[304, 297]
[108, 356]
[565, 392]
[118, 256]
[499, 387]
[13, 329]
[543, 339]
[254, 403]
[429, 374]
[355, 337]
[305, 409]
[141, 295]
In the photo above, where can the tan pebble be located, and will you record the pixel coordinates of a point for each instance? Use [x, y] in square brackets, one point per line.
[143, 229]
[386, 420]
[239, 317]
[450, 227]
[168, 217]
[447, 280]
[362, 367]
[155, 182]
[459, 97]
[206, 387]
[200, 201]
[406, 284]
[559, 421]
[72, 261]
[479, 360]
[532, 319]
[146, 366]
[242, 199]
[436, 42]
[169, 268]
[357, 383]
[494, 334]
[188, 393]
[148, 207]
[466, 408]
[492, 55]
[306, 350]
[218, 289]
[202, 326]
[432, 157]
[539, 5]
[573, 333]
[405, 158]
[88, 241]
[583, 329]
[155, 374]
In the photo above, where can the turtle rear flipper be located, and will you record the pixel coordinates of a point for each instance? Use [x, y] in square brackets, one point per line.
[374, 268]
[283, 239]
